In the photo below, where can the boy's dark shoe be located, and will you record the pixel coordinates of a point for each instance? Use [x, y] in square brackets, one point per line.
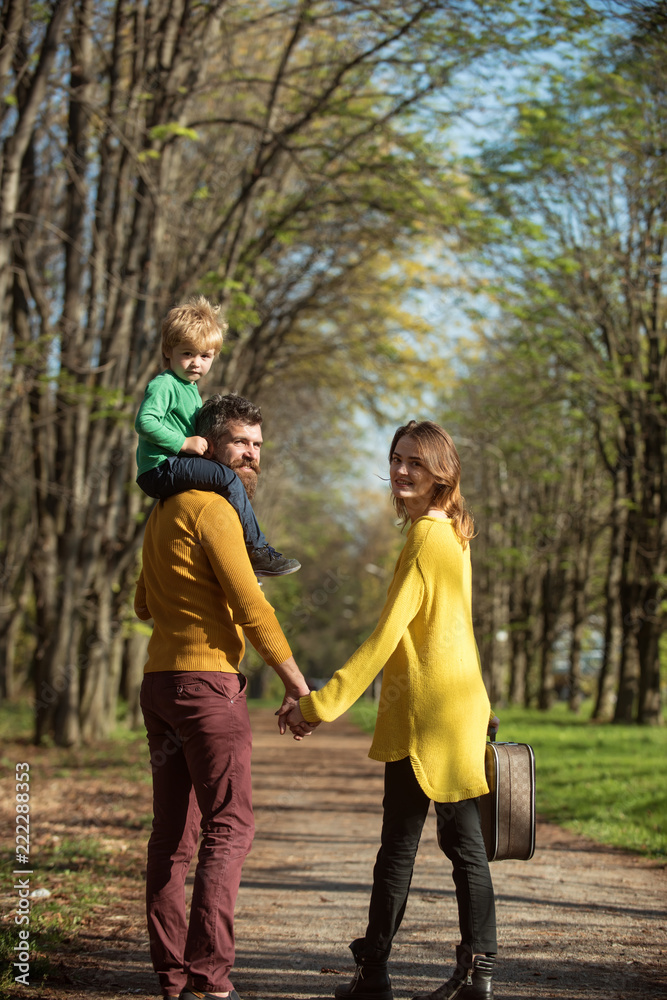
[190, 993]
[267, 562]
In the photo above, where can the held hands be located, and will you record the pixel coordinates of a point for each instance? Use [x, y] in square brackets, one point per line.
[289, 715]
[194, 445]
[295, 688]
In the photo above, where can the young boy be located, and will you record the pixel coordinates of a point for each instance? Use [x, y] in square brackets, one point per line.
[169, 454]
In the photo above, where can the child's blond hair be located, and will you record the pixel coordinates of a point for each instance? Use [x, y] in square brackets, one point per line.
[197, 323]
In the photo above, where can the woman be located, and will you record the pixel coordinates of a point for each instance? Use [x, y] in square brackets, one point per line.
[432, 721]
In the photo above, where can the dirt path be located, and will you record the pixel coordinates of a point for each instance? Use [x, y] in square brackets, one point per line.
[578, 921]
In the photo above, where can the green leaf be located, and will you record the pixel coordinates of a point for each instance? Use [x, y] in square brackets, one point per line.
[160, 133]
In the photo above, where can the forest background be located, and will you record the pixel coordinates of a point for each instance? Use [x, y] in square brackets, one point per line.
[447, 210]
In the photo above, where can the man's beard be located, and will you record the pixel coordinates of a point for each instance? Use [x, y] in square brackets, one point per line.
[248, 472]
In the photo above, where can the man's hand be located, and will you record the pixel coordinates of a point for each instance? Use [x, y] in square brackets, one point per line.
[194, 445]
[290, 702]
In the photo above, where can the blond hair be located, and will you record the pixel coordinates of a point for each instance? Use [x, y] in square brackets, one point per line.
[196, 323]
[439, 456]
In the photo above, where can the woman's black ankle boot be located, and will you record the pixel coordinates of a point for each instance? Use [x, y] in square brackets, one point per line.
[479, 986]
[458, 978]
[370, 981]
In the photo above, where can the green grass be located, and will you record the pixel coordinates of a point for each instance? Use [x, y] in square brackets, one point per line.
[605, 781]
[16, 720]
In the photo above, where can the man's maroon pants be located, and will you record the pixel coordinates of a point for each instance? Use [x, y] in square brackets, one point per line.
[200, 744]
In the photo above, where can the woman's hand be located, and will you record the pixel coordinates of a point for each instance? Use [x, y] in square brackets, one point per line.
[494, 726]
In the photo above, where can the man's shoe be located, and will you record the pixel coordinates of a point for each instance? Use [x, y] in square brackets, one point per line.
[190, 993]
[267, 562]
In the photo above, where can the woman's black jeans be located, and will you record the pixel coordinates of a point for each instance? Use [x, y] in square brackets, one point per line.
[405, 809]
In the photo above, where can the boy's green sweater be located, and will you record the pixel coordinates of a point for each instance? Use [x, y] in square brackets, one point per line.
[165, 418]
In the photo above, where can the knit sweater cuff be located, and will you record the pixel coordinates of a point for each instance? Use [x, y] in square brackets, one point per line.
[307, 709]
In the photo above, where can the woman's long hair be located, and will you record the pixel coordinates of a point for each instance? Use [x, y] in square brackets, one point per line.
[439, 456]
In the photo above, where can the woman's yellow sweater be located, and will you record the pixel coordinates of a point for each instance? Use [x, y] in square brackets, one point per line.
[433, 705]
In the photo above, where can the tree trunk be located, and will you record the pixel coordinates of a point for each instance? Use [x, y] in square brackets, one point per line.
[652, 559]
[642, 589]
[610, 668]
[582, 550]
[551, 598]
[134, 655]
[578, 628]
[522, 614]
[628, 685]
[15, 674]
[32, 92]
[492, 603]
[649, 707]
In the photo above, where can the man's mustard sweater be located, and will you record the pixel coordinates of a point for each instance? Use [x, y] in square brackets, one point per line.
[433, 705]
[199, 588]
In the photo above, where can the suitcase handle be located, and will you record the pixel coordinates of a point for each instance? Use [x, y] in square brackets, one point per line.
[506, 743]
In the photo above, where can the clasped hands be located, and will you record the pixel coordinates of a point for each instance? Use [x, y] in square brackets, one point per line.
[290, 717]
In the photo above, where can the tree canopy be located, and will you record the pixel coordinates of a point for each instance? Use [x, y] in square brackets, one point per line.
[295, 161]
[575, 195]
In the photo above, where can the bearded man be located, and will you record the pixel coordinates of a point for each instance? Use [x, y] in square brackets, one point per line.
[232, 426]
[198, 586]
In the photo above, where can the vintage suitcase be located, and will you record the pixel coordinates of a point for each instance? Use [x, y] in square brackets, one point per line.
[508, 811]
